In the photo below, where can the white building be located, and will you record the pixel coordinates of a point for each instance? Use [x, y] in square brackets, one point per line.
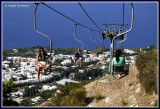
[46, 87]
[103, 67]
[81, 71]
[129, 51]
[6, 64]
[88, 59]
[36, 99]
[23, 64]
[15, 50]
[18, 100]
[63, 81]
[66, 62]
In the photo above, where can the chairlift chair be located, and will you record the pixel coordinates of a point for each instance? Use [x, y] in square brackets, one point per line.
[37, 3]
[120, 69]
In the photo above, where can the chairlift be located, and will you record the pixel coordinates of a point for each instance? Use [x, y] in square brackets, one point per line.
[37, 3]
[122, 69]
[77, 54]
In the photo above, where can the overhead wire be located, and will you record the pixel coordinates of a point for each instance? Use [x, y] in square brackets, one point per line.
[89, 16]
[70, 18]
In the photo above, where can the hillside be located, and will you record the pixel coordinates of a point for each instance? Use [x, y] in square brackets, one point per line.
[116, 93]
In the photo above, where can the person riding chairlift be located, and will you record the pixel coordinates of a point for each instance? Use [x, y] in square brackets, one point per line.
[42, 62]
[118, 60]
[78, 56]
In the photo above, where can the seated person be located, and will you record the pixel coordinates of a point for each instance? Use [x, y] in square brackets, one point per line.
[78, 56]
[118, 60]
[41, 62]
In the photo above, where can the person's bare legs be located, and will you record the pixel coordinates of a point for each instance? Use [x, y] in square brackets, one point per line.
[75, 63]
[80, 63]
[38, 72]
[47, 66]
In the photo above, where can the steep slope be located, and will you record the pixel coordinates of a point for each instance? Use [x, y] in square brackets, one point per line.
[116, 93]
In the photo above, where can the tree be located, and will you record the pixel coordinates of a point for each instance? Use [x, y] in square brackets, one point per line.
[71, 94]
[7, 89]
[26, 102]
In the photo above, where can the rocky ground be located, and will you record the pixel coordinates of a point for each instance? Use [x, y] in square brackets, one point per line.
[126, 92]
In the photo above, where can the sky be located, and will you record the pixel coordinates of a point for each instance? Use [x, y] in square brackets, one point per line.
[18, 24]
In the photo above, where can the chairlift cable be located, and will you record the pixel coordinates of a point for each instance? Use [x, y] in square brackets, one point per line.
[69, 18]
[89, 16]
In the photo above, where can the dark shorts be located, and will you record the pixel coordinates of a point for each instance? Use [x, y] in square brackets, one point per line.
[76, 58]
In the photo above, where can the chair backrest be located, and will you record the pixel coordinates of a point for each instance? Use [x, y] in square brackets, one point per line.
[119, 68]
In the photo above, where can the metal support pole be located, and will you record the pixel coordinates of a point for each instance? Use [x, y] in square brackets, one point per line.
[92, 39]
[75, 36]
[100, 39]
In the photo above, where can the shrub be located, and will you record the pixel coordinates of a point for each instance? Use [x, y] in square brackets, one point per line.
[124, 102]
[7, 89]
[98, 96]
[26, 102]
[70, 95]
[155, 104]
[147, 65]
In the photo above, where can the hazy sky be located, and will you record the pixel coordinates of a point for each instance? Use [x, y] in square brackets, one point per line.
[18, 23]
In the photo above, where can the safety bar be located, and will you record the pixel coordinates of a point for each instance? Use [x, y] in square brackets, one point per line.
[126, 35]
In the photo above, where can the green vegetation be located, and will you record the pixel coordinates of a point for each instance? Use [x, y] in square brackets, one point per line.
[70, 95]
[65, 51]
[149, 48]
[124, 102]
[98, 96]
[147, 66]
[26, 102]
[92, 73]
[46, 94]
[85, 64]
[155, 104]
[33, 91]
[7, 89]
